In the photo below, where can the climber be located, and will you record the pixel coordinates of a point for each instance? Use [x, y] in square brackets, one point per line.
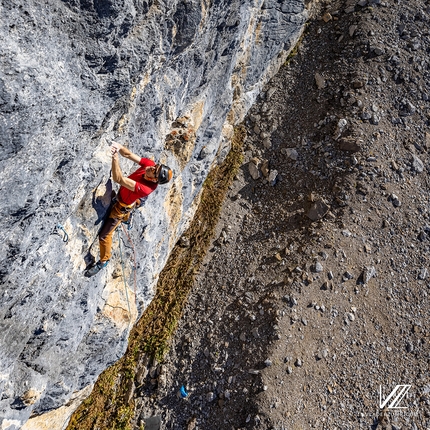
[133, 190]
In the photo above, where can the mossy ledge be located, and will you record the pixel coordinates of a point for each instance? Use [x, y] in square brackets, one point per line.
[110, 405]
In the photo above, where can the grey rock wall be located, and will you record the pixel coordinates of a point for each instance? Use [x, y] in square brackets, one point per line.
[167, 78]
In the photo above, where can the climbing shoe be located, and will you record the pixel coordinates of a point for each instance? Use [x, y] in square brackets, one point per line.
[96, 268]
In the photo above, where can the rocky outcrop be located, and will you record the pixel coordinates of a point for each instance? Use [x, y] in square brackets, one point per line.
[169, 79]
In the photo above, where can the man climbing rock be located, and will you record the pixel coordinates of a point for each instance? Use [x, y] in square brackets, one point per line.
[133, 190]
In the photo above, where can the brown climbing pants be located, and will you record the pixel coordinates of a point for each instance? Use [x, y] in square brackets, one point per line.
[118, 214]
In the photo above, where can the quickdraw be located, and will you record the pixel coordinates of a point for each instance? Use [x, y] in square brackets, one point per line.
[65, 237]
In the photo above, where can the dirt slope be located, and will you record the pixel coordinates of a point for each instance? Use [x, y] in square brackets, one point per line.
[315, 292]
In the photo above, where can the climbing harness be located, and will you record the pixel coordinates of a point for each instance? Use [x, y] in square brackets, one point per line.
[66, 236]
[137, 205]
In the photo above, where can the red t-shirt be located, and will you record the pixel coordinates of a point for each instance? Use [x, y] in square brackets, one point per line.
[142, 188]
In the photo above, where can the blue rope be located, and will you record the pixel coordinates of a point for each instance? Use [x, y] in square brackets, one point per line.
[66, 236]
[123, 275]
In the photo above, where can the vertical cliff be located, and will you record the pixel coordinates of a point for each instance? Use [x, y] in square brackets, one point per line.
[168, 79]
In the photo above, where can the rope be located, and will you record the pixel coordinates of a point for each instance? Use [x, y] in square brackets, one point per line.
[123, 275]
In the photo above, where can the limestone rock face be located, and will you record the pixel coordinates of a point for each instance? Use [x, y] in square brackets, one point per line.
[168, 79]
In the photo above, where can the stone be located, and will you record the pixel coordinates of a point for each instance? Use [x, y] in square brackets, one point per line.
[366, 115]
[423, 274]
[317, 267]
[368, 273]
[210, 397]
[358, 83]
[427, 140]
[265, 168]
[320, 81]
[270, 92]
[394, 165]
[142, 372]
[347, 276]
[350, 316]
[323, 255]
[162, 380]
[129, 390]
[153, 372]
[395, 200]
[292, 154]
[377, 50]
[375, 119]
[152, 423]
[273, 177]
[406, 108]
[268, 363]
[267, 143]
[417, 164]
[298, 363]
[341, 126]
[318, 210]
[352, 29]
[327, 17]
[253, 170]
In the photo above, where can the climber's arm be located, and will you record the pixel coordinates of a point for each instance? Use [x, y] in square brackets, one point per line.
[126, 153]
[117, 175]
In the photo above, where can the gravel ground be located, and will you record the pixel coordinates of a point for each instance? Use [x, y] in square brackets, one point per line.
[314, 295]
